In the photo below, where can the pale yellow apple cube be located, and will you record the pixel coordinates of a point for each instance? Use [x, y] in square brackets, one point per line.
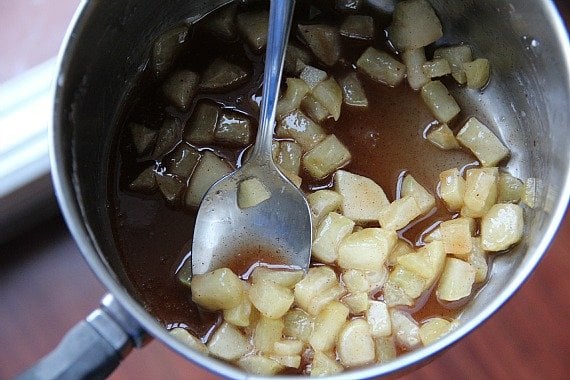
[298, 325]
[355, 346]
[477, 72]
[317, 281]
[288, 157]
[329, 234]
[484, 144]
[362, 199]
[440, 102]
[288, 347]
[414, 60]
[410, 282]
[210, 168]
[267, 331]
[240, 315]
[378, 318]
[217, 290]
[405, 329]
[282, 277]
[366, 249]
[357, 303]
[424, 199]
[509, 189]
[401, 248]
[228, 343]
[302, 129]
[291, 361]
[251, 192]
[456, 281]
[381, 67]
[321, 202]
[502, 227]
[452, 189]
[395, 296]
[478, 259]
[399, 213]
[324, 364]
[385, 348]
[291, 100]
[434, 329]
[328, 325]
[480, 191]
[329, 94]
[355, 280]
[188, 339]
[456, 235]
[259, 365]
[326, 157]
[271, 299]
[442, 137]
[456, 55]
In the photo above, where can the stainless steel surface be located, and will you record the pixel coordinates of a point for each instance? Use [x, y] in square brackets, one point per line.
[528, 102]
[280, 224]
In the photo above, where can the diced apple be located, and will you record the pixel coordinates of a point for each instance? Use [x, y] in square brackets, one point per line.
[166, 48]
[266, 333]
[145, 182]
[502, 227]
[228, 343]
[291, 361]
[381, 67]
[298, 325]
[411, 283]
[477, 73]
[355, 345]
[321, 202]
[222, 22]
[484, 144]
[328, 325]
[233, 129]
[324, 42]
[395, 296]
[253, 26]
[424, 199]
[180, 87]
[296, 91]
[271, 299]
[188, 339]
[509, 189]
[168, 136]
[355, 280]
[434, 329]
[530, 190]
[251, 192]
[357, 303]
[376, 279]
[300, 128]
[313, 76]
[296, 58]
[315, 110]
[385, 349]
[288, 347]
[240, 315]
[326, 157]
[456, 234]
[352, 91]
[414, 60]
[440, 102]
[329, 94]
[359, 27]
[436, 68]
[330, 232]
[456, 280]
[416, 262]
[456, 56]
[210, 168]
[217, 290]
[362, 199]
[324, 365]
[442, 137]
[317, 281]
[378, 318]
[401, 248]
[259, 365]
[182, 161]
[478, 259]
[414, 25]
[405, 329]
[286, 278]
[222, 75]
[366, 249]
[202, 123]
[399, 213]
[480, 191]
[452, 189]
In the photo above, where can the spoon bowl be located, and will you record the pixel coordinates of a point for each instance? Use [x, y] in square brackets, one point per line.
[278, 229]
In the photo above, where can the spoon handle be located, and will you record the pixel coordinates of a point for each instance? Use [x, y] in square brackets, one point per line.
[280, 16]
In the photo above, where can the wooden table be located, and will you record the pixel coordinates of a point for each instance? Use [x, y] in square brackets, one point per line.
[46, 287]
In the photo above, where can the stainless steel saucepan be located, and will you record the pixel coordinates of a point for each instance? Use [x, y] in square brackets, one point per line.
[107, 46]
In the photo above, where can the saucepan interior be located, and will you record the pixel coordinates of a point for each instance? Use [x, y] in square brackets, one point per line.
[527, 100]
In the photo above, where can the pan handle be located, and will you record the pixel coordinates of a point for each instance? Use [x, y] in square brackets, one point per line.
[93, 348]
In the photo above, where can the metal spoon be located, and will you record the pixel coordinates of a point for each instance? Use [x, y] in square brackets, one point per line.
[280, 225]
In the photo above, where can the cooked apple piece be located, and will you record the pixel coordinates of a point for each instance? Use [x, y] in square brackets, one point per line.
[480, 191]
[170, 187]
[416, 262]
[282, 277]
[166, 48]
[411, 283]
[180, 87]
[271, 299]
[528, 196]
[405, 329]
[359, 27]
[433, 235]
[253, 26]
[315, 110]
[395, 296]
[478, 259]
[324, 365]
[202, 124]
[326, 157]
[259, 365]
[401, 248]
[456, 56]
[251, 192]
[228, 343]
[296, 58]
[143, 137]
[414, 60]
[188, 339]
[456, 280]
[222, 22]
[145, 182]
[362, 199]
[313, 76]
[366, 249]
[288, 347]
[311, 291]
[436, 68]
[298, 325]
[222, 75]
[452, 189]
[509, 189]
[266, 333]
[434, 329]
[357, 303]
[324, 42]
[479, 139]
[168, 136]
[399, 213]
[355, 346]
[303, 130]
[378, 318]
[442, 137]
[328, 324]
[182, 161]
[355, 280]
[456, 234]
[352, 91]
[385, 349]
[289, 157]
[424, 199]
[240, 315]
[210, 169]
[321, 202]
[330, 232]
[477, 73]
[376, 279]
[414, 25]
[381, 67]
[217, 290]
[329, 94]
[291, 361]
[291, 100]
[233, 129]
[501, 227]
[435, 254]
[440, 102]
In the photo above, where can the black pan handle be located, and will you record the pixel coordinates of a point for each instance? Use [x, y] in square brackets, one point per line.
[93, 348]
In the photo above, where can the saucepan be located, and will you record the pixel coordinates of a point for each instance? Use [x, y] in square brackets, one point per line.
[108, 45]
